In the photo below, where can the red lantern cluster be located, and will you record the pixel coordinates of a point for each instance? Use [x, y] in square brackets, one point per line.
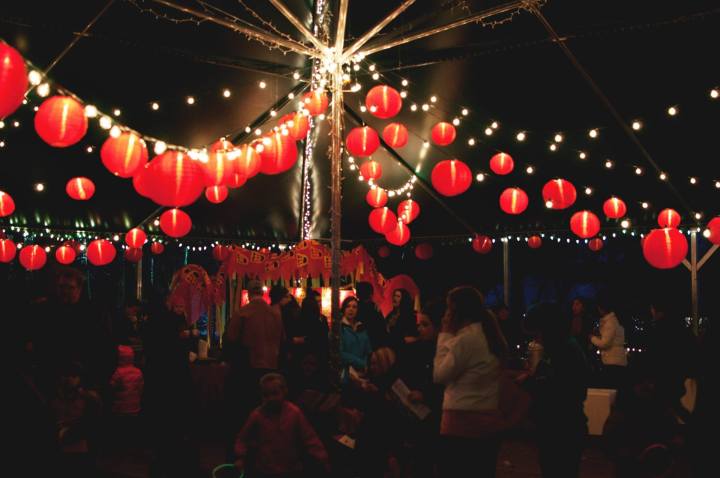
[424, 251]
[100, 252]
[399, 236]
[382, 220]
[219, 167]
[383, 101]
[135, 238]
[175, 179]
[60, 121]
[614, 208]
[7, 205]
[585, 224]
[595, 244]
[362, 141]
[141, 181]
[316, 102]
[33, 257]
[216, 194]
[514, 201]
[65, 255]
[220, 253]
[80, 189]
[443, 134]
[133, 254]
[669, 218]
[175, 223]
[408, 211]
[451, 177]
[371, 170]
[247, 161]
[665, 248]
[279, 154]
[395, 135]
[482, 244]
[8, 249]
[124, 155]
[236, 180]
[534, 242]
[559, 194]
[297, 125]
[502, 164]
[712, 231]
[376, 197]
[13, 80]
[157, 248]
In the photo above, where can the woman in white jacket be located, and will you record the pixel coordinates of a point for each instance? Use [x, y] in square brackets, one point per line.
[611, 344]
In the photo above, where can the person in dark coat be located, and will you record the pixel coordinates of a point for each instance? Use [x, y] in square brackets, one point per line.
[401, 321]
[370, 316]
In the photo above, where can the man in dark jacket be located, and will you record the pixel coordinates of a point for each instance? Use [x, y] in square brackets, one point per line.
[371, 317]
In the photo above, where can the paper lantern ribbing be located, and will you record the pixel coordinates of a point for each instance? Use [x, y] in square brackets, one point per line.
[596, 244]
[175, 223]
[219, 168]
[247, 161]
[236, 180]
[175, 179]
[362, 141]
[424, 251]
[559, 194]
[135, 238]
[216, 194]
[125, 155]
[8, 249]
[665, 248]
[382, 220]
[384, 251]
[80, 189]
[279, 154]
[13, 79]
[395, 135]
[614, 208]
[482, 244]
[65, 255]
[399, 236]
[584, 224]
[376, 197]
[297, 125]
[133, 254]
[383, 101]
[502, 164]
[713, 230]
[669, 218]
[141, 181]
[443, 133]
[408, 211]
[371, 170]
[534, 242]
[451, 177]
[513, 201]
[61, 121]
[33, 257]
[100, 252]
[220, 253]
[157, 248]
[7, 204]
[316, 102]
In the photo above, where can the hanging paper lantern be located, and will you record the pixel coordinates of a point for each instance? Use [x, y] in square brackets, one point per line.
[382, 220]
[33, 257]
[247, 161]
[595, 244]
[175, 179]
[399, 236]
[384, 251]
[13, 80]
[502, 164]
[216, 194]
[221, 144]
[424, 251]
[443, 133]
[559, 194]
[65, 255]
[482, 244]
[142, 181]
[513, 201]
[175, 223]
[135, 238]
[376, 197]
[100, 252]
[534, 242]
[665, 248]
[279, 154]
[236, 180]
[362, 141]
[669, 218]
[157, 248]
[61, 121]
[451, 177]
[585, 224]
[133, 254]
[7, 250]
[218, 168]
[371, 170]
[713, 230]
[383, 101]
[316, 102]
[395, 135]
[408, 211]
[80, 189]
[7, 205]
[297, 125]
[614, 208]
[220, 253]
[125, 155]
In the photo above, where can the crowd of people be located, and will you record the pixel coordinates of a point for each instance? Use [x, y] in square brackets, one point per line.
[429, 391]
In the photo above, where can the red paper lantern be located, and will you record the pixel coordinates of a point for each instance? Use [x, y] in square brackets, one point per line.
[220, 253]
[669, 218]
[142, 181]
[279, 154]
[135, 238]
[451, 177]
[559, 194]
[65, 255]
[585, 224]
[221, 144]
[482, 244]
[13, 80]
[382, 220]
[399, 236]
[424, 251]
[219, 168]
[8, 250]
[33, 257]
[513, 201]
[665, 248]
[247, 161]
[125, 155]
[7, 205]
[395, 135]
[100, 252]
[534, 242]
[596, 244]
[297, 125]
[61, 121]
[376, 197]
[614, 208]
[157, 248]
[133, 254]
[712, 231]
[175, 179]
[175, 223]
[236, 180]
[362, 141]
[443, 133]
[371, 170]
[216, 194]
[316, 102]
[383, 251]
[408, 211]
[383, 101]
[502, 164]
[80, 189]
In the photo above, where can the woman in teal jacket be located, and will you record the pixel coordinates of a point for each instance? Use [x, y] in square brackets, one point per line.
[355, 346]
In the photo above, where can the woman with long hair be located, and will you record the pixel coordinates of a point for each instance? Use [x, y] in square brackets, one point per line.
[313, 327]
[355, 346]
[401, 321]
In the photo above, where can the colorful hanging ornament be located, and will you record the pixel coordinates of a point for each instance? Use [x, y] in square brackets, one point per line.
[482, 244]
[424, 251]
[383, 101]
[665, 248]
[443, 133]
[371, 170]
[247, 161]
[60, 121]
[362, 141]
[216, 194]
[80, 189]
[297, 125]
[142, 181]
[408, 211]
[220, 166]
[175, 223]
[382, 220]
[7, 204]
[559, 194]
[376, 197]
[13, 80]
[595, 244]
[279, 154]
[451, 177]
[316, 102]
[669, 218]
[502, 164]
[712, 231]
[222, 144]
[8, 249]
[513, 201]
[157, 248]
[32, 257]
[100, 252]
[534, 242]
[124, 155]
[399, 236]
[614, 208]
[584, 224]
[236, 180]
[135, 238]
[395, 135]
[175, 179]
[133, 254]
[65, 255]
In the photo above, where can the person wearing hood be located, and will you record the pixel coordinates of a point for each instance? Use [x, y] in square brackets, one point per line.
[127, 383]
[611, 344]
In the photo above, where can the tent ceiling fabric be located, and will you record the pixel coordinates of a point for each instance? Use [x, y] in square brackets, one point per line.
[645, 55]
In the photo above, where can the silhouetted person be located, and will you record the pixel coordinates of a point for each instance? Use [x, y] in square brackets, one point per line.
[370, 316]
[401, 321]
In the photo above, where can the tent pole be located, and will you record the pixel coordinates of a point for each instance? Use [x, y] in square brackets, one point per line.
[139, 280]
[506, 271]
[694, 283]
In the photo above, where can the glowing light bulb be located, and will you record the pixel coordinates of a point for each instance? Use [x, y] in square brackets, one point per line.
[645, 205]
[425, 107]
[258, 132]
[558, 138]
[588, 191]
[553, 147]
[155, 106]
[262, 85]
[363, 108]
[717, 184]
[91, 111]
[549, 204]
[2, 124]
[693, 180]
[471, 141]
[373, 109]
[115, 131]
[291, 95]
[529, 170]
[582, 155]
[433, 99]
[488, 131]
[156, 222]
[34, 77]
[593, 133]
[404, 82]
[105, 122]
[494, 125]
[714, 93]
[371, 68]
[636, 125]
[706, 233]
[273, 113]
[248, 129]
[456, 121]
[226, 93]
[117, 112]
[520, 136]
[663, 176]
[638, 171]
[296, 76]
[43, 90]
[403, 94]
[672, 111]
[698, 215]
[190, 100]
[160, 147]
[480, 177]
[413, 107]
[47, 249]
[608, 164]
[376, 76]
[465, 112]
[625, 223]
[39, 187]
[16, 124]
[116, 238]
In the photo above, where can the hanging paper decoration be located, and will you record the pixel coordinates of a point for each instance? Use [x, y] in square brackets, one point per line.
[247, 161]
[316, 102]
[279, 154]
[559, 194]
[451, 177]
[175, 223]
[399, 236]
[424, 251]
[175, 179]
[502, 164]
[443, 133]
[713, 230]
[669, 218]
[124, 155]
[395, 135]
[142, 181]
[534, 242]
[221, 144]
[13, 80]
[482, 244]
[33, 257]
[584, 224]
[8, 249]
[7, 205]
[408, 211]
[100, 252]
[80, 189]
[376, 197]
[65, 255]
[614, 208]
[220, 253]
[665, 248]
[219, 166]
[513, 201]
[133, 254]
[362, 141]
[157, 248]
[383, 101]
[61, 121]
[382, 220]
[297, 125]
[384, 251]
[236, 180]
[135, 238]
[596, 244]
[216, 194]
[371, 170]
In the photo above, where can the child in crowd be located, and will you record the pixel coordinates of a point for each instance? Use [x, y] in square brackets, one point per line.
[127, 384]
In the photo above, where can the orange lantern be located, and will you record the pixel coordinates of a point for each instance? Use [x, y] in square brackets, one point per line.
[614, 208]
[220, 253]
[712, 231]
[362, 141]
[157, 248]
[125, 155]
[279, 154]
[383, 101]
[7, 205]
[316, 102]
[371, 170]
[424, 251]
[33, 258]
[399, 236]
[135, 238]
[559, 194]
[513, 201]
[383, 251]
[408, 211]
[395, 135]
[216, 194]
[175, 223]
[133, 254]
[534, 242]
[65, 255]
[297, 125]
[595, 244]
[585, 224]
[382, 220]
[502, 164]
[61, 121]
[13, 79]
[8, 249]
[376, 197]
[443, 133]
[100, 252]
[482, 244]
[80, 189]
[175, 179]
[665, 248]
[247, 161]
[669, 218]
[451, 177]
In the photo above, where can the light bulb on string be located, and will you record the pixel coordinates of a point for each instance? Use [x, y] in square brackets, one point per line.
[456, 121]
[663, 176]
[471, 142]
[480, 177]
[376, 76]
[717, 184]
[625, 223]
[34, 77]
[520, 136]
[488, 131]
[404, 82]
[296, 76]
[693, 181]
[593, 133]
[425, 107]
[39, 187]
[155, 106]
[105, 122]
[226, 93]
[608, 164]
[530, 170]
[16, 124]
[403, 94]
[115, 131]
[638, 170]
[698, 215]
[413, 107]
[160, 147]
[582, 155]
[558, 138]
[91, 111]
[553, 147]
[588, 191]
[433, 99]
[494, 125]
[672, 111]
[190, 100]
[262, 85]
[645, 205]
[637, 125]
[117, 112]
[43, 90]
[464, 112]
[714, 93]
